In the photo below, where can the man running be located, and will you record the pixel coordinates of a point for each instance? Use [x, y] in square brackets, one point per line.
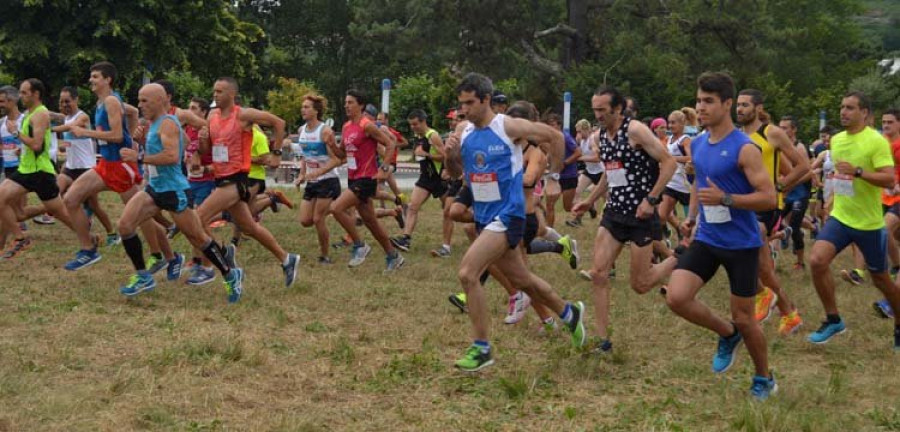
[167, 189]
[863, 166]
[359, 146]
[796, 202]
[730, 185]
[492, 163]
[637, 170]
[890, 127]
[11, 146]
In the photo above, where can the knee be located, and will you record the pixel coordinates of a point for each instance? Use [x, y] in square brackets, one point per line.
[641, 286]
[125, 228]
[676, 302]
[744, 322]
[307, 222]
[599, 278]
[414, 207]
[468, 276]
[817, 262]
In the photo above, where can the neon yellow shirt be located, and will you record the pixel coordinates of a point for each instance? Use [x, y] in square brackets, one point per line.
[859, 206]
[260, 147]
[32, 162]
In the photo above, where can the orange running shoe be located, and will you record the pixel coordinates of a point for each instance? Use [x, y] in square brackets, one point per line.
[765, 302]
[790, 323]
[282, 198]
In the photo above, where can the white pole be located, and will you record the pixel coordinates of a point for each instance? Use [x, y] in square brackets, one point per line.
[567, 110]
[385, 95]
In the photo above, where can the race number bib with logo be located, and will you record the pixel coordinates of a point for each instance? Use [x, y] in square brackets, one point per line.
[485, 187]
[843, 184]
[220, 153]
[716, 214]
[616, 174]
[151, 171]
[351, 162]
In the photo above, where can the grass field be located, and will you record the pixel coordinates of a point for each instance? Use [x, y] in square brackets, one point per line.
[351, 349]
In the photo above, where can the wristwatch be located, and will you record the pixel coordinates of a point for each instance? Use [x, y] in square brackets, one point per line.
[654, 201]
[858, 172]
[385, 168]
[15, 134]
[276, 152]
[554, 176]
[779, 187]
[727, 200]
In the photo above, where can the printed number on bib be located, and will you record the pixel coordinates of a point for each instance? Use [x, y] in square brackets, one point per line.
[312, 165]
[151, 171]
[716, 214]
[843, 184]
[220, 153]
[101, 142]
[10, 155]
[351, 162]
[616, 174]
[420, 158]
[485, 187]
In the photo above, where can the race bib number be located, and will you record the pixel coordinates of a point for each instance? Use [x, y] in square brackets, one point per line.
[312, 165]
[843, 184]
[151, 171]
[195, 174]
[220, 153]
[10, 155]
[716, 214]
[420, 158]
[616, 174]
[485, 187]
[351, 162]
[101, 142]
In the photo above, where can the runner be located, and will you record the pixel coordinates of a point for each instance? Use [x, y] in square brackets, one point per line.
[863, 165]
[11, 146]
[568, 177]
[492, 164]
[229, 138]
[678, 190]
[317, 143]
[731, 184]
[796, 201]
[200, 171]
[637, 169]
[359, 141]
[593, 168]
[167, 189]
[890, 127]
[774, 143]
[35, 172]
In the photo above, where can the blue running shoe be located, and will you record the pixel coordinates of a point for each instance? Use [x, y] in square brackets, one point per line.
[786, 237]
[827, 331]
[202, 276]
[883, 308]
[143, 281]
[394, 264]
[231, 255]
[83, 258]
[724, 357]
[154, 264]
[234, 284]
[290, 270]
[173, 272]
[113, 240]
[763, 387]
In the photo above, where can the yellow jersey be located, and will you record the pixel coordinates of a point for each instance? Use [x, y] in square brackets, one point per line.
[771, 157]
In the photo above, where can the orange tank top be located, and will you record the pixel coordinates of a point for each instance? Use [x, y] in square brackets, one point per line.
[230, 143]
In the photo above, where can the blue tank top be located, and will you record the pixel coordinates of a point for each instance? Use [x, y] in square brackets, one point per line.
[493, 170]
[165, 178]
[719, 162]
[110, 151]
[570, 170]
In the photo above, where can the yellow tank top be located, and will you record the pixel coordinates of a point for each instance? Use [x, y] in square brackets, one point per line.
[770, 155]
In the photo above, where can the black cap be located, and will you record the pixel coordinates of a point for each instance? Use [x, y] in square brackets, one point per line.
[498, 98]
[371, 110]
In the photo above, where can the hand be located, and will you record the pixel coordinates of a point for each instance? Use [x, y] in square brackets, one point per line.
[445, 176]
[711, 195]
[419, 152]
[128, 155]
[11, 126]
[301, 178]
[452, 141]
[845, 168]
[138, 132]
[203, 134]
[685, 227]
[382, 175]
[580, 207]
[64, 144]
[551, 187]
[645, 210]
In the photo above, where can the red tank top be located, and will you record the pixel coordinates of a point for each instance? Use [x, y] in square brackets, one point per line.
[230, 143]
[361, 150]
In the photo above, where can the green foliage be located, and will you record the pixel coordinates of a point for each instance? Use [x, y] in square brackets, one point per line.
[188, 85]
[287, 100]
[434, 96]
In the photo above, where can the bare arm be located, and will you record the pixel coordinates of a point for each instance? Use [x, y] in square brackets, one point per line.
[438, 144]
[39, 122]
[799, 162]
[115, 133]
[81, 121]
[186, 117]
[267, 119]
[549, 139]
[686, 144]
[382, 138]
[644, 138]
[537, 163]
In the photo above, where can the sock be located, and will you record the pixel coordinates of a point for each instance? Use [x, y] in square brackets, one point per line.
[157, 255]
[197, 260]
[832, 319]
[483, 345]
[446, 246]
[214, 254]
[393, 254]
[359, 244]
[734, 331]
[542, 246]
[566, 316]
[552, 235]
[287, 260]
[895, 269]
[484, 277]
[135, 250]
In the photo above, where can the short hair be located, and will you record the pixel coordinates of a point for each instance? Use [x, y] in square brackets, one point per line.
[319, 103]
[37, 86]
[864, 101]
[789, 118]
[476, 83]
[523, 110]
[892, 111]
[358, 95]
[634, 103]
[203, 103]
[615, 97]
[418, 115]
[552, 117]
[72, 91]
[756, 96]
[719, 83]
[582, 125]
[167, 86]
[107, 70]
[10, 92]
[231, 81]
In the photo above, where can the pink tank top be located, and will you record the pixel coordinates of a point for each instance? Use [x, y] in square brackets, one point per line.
[230, 143]
[362, 150]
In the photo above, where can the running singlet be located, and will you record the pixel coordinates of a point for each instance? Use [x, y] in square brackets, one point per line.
[165, 178]
[428, 168]
[570, 170]
[887, 196]
[315, 152]
[771, 157]
[10, 144]
[260, 147]
[721, 226]
[679, 181]
[631, 173]
[587, 150]
[230, 143]
[193, 151]
[493, 164]
[857, 203]
[110, 151]
[81, 153]
[361, 150]
[32, 161]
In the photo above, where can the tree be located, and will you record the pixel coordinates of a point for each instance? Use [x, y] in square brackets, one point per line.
[287, 100]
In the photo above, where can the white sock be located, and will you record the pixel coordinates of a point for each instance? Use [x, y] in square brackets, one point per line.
[552, 235]
[446, 246]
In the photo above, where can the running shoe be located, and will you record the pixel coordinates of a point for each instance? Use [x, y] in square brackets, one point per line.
[883, 308]
[218, 224]
[570, 251]
[603, 347]
[138, 283]
[394, 264]
[44, 219]
[290, 270]
[174, 267]
[113, 240]
[518, 305]
[763, 387]
[766, 301]
[155, 264]
[593, 212]
[475, 359]
[574, 223]
[202, 276]
[827, 331]
[724, 357]
[576, 327]
[23, 226]
[441, 252]
[790, 323]
[18, 246]
[234, 284]
[281, 198]
[786, 237]
[345, 241]
[402, 242]
[459, 300]
[548, 327]
[83, 258]
[586, 275]
[325, 260]
[853, 276]
[230, 255]
[359, 255]
[172, 232]
[404, 198]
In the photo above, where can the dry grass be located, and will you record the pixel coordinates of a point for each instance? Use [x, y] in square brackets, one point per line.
[354, 350]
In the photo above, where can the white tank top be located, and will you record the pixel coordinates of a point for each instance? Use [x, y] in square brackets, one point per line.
[315, 151]
[828, 174]
[679, 181]
[81, 153]
[592, 168]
